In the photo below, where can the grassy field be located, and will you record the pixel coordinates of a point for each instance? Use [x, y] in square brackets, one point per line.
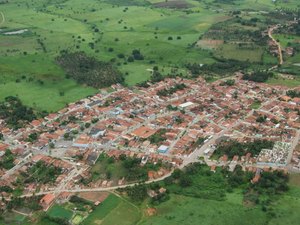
[113, 210]
[75, 24]
[105, 29]
[188, 211]
[232, 51]
[58, 211]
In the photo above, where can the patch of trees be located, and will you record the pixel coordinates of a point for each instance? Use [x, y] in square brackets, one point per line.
[196, 180]
[42, 173]
[77, 200]
[158, 137]
[265, 191]
[7, 160]
[137, 55]
[232, 148]
[296, 28]
[222, 67]
[134, 171]
[32, 137]
[258, 76]
[271, 183]
[229, 82]
[14, 113]
[88, 70]
[293, 93]
[46, 219]
[169, 91]
[137, 193]
[31, 203]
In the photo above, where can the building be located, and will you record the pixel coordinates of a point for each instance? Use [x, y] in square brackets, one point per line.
[163, 149]
[47, 201]
[186, 105]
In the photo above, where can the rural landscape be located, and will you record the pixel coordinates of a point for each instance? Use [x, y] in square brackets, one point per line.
[149, 112]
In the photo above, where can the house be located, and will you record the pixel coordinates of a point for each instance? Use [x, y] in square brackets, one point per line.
[97, 132]
[163, 149]
[144, 132]
[186, 105]
[47, 201]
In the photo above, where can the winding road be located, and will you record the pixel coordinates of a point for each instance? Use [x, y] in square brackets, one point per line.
[270, 31]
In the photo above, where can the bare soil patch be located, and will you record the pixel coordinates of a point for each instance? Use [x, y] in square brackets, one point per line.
[176, 4]
[94, 196]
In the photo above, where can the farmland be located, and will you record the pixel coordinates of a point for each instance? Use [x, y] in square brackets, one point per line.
[33, 34]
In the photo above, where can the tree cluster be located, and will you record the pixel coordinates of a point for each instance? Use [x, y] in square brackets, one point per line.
[14, 113]
[169, 91]
[88, 70]
[258, 76]
[232, 148]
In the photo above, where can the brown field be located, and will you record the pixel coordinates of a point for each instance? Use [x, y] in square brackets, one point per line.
[209, 43]
[175, 4]
[94, 196]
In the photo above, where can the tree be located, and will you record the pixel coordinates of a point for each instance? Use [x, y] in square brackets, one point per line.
[88, 70]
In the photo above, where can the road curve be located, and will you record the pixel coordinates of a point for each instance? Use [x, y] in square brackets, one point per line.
[270, 31]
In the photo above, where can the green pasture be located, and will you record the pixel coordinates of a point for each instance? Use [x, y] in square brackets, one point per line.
[113, 211]
[57, 211]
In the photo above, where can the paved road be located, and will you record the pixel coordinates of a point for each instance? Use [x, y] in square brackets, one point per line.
[78, 190]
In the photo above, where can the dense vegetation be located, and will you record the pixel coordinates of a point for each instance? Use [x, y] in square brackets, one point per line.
[165, 92]
[221, 67]
[232, 148]
[293, 93]
[198, 181]
[123, 167]
[88, 70]
[7, 160]
[258, 76]
[15, 114]
[42, 173]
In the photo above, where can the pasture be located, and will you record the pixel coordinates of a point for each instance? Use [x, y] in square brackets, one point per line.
[113, 210]
[165, 34]
[57, 211]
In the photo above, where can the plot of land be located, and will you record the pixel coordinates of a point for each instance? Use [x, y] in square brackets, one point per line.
[58, 211]
[113, 211]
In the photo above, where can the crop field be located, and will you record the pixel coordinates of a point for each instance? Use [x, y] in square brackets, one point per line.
[32, 34]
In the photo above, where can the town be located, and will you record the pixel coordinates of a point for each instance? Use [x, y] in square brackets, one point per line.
[172, 123]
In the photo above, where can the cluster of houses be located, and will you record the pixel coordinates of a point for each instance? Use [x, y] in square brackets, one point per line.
[140, 123]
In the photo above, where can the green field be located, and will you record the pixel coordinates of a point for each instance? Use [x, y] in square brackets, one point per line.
[58, 211]
[113, 210]
[105, 29]
[190, 211]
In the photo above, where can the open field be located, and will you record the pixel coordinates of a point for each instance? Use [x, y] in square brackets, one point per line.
[58, 211]
[76, 26]
[165, 33]
[113, 211]
[179, 210]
